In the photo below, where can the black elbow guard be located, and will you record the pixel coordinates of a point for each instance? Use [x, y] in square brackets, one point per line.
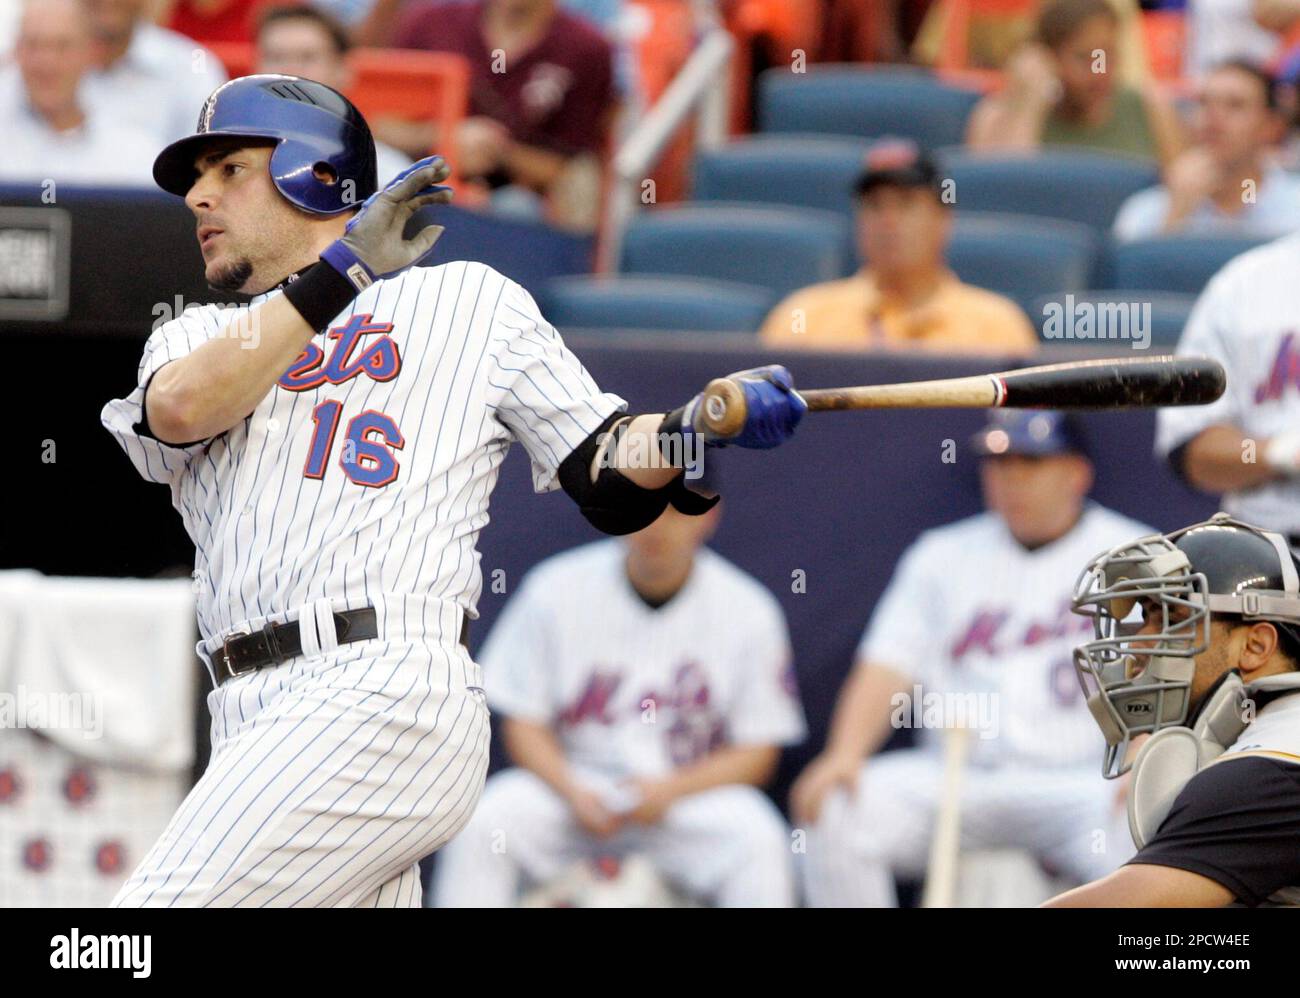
[613, 503]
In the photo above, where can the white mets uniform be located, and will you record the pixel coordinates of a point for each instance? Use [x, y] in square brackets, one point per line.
[361, 479]
[1248, 319]
[983, 628]
[634, 691]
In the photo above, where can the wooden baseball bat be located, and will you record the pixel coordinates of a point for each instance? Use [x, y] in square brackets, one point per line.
[1122, 383]
[941, 873]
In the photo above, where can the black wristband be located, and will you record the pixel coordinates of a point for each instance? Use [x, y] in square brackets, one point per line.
[671, 445]
[320, 295]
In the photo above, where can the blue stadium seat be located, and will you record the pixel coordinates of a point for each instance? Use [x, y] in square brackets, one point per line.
[1172, 263]
[680, 304]
[1022, 257]
[1074, 185]
[779, 249]
[1162, 314]
[864, 103]
[814, 171]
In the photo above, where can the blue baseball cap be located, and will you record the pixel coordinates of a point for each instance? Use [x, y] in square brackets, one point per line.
[1030, 432]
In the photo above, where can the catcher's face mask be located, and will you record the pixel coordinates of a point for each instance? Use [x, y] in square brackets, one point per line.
[1151, 617]
[1151, 611]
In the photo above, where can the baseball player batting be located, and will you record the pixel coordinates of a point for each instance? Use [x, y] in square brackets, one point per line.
[332, 450]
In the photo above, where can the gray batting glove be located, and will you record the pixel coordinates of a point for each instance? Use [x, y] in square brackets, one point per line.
[372, 245]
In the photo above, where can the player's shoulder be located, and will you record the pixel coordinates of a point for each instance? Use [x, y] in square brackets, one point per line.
[487, 286]
[1105, 525]
[559, 576]
[205, 319]
[1275, 261]
[744, 594]
[942, 541]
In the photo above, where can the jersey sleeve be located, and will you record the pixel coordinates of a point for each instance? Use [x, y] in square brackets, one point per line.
[1209, 333]
[540, 390]
[767, 710]
[125, 419]
[1236, 822]
[520, 675]
[903, 632]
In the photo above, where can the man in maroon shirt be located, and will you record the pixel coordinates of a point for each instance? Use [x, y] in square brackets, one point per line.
[541, 95]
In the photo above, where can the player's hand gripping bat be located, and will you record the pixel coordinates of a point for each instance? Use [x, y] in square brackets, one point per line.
[1084, 384]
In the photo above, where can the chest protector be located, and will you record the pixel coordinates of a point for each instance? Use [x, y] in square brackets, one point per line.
[1226, 726]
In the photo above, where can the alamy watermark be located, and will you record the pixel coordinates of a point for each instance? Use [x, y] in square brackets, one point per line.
[1091, 320]
[44, 711]
[919, 708]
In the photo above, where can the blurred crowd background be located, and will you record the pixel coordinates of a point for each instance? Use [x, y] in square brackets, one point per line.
[865, 190]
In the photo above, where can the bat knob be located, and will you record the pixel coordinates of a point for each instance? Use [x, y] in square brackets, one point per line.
[722, 411]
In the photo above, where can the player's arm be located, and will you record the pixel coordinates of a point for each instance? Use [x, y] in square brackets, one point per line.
[211, 389]
[1140, 886]
[1230, 835]
[1224, 459]
[535, 747]
[218, 384]
[752, 765]
[859, 727]
[623, 475]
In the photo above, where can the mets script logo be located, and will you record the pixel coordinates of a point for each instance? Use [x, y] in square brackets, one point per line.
[371, 438]
[379, 359]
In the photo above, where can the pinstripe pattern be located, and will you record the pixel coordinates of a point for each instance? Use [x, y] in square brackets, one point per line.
[334, 773]
[1246, 319]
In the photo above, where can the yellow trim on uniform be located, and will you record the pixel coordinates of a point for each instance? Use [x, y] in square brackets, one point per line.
[1272, 753]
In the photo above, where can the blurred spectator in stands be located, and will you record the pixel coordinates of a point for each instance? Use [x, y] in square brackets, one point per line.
[210, 21]
[302, 41]
[904, 295]
[147, 74]
[995, 33]
[1228, 181]
[350, 13]
[1219, 30]
[541, 100]
[593, 639]
[46, 131]
[1061, 90]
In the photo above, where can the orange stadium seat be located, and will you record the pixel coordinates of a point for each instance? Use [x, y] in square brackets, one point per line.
[417, 85]
[1164, 35]
[784, 27]
[660, 52]
[239, 58]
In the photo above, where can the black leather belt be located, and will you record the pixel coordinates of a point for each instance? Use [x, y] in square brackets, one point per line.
[273, 644]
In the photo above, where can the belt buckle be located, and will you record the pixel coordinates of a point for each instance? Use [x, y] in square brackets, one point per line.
[241, 632]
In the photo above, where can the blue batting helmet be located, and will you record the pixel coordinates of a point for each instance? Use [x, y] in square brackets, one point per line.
[316, 131]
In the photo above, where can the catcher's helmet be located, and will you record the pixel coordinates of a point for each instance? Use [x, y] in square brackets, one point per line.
[1152, 601]
[314, 128]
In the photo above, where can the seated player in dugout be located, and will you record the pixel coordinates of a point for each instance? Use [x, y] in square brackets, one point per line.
[647, 687]
[1192, 677]
[977, 621]
[904, 295]
[331, 449]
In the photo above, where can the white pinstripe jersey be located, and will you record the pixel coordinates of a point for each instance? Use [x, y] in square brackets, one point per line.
[364, 474]
[637, 691]
[969, 610]
[1248, 319]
